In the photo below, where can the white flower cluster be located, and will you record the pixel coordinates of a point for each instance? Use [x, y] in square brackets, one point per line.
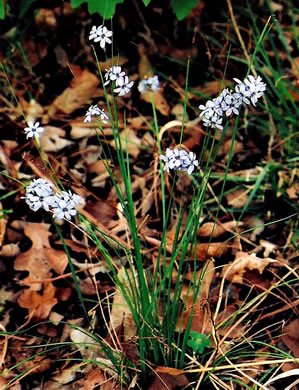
[40, 194]
[95, 110]
[33, 129]
[100, 34]
[251, 89]
[152, 83]
[248, 91]
[122, 81]
[180, 160]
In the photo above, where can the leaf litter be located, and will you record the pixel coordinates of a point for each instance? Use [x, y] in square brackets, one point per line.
[38, 281]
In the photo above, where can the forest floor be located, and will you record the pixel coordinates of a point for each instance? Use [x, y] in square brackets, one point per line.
[50, 73]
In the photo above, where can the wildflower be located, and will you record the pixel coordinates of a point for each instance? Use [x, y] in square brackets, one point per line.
[100, 34]
[212, 112]
[214, 122]
[95, 32]
[208, 110]
[150, 83]
[114, 74]
[64, 206]
[124, 86]
[39, 195]
[189, 162]
[251, 89]
[179, 159]
[95, 110]
[33, 129]
[226, 102]
[230, 103]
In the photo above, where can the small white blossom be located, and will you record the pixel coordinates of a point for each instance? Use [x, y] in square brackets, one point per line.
[251, 89]
[152, 83]
[100, 34]
[124, 86]
[39, 195]
[114, 74]
[64, 206]
[189, 162]
[94, 32]
[33, 129]
[179, 159]
[213, 121]
[228, 102]
[207, 110]
[96, 111]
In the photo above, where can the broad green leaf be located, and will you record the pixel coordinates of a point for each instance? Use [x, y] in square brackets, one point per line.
[198, 342]
[146, 2]
[2, 9]
[182, 8]
[105, 8]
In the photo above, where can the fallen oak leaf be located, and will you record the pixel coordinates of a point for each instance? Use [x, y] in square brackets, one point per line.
[83, 87]
[53, 139]
[243, 261]
[291, 340]
[40, 258]
[38, 305]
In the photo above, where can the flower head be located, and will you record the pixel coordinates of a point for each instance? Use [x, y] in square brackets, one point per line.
[39, 194]
[213, 122]
[124, 86]
[179, 159]
[152, 83]
[33, 129]
[228, 102]
[251, 89]
[114, 74]
[64, 205]
[100, 34]
[95, 110]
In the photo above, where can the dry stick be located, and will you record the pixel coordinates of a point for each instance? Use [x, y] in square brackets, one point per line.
[4, 348]
[240, 365]
[272, 127]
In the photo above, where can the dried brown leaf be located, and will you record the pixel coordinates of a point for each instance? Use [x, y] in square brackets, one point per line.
[207, 228]
[131, 141]
[38, 305]
[53, 139]
[10, 250]
[237, 198]
[159, 100]
[201, 319]
[121, 314]
[243, 261]
[168, 380]
[40, 258]
[83, 87]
